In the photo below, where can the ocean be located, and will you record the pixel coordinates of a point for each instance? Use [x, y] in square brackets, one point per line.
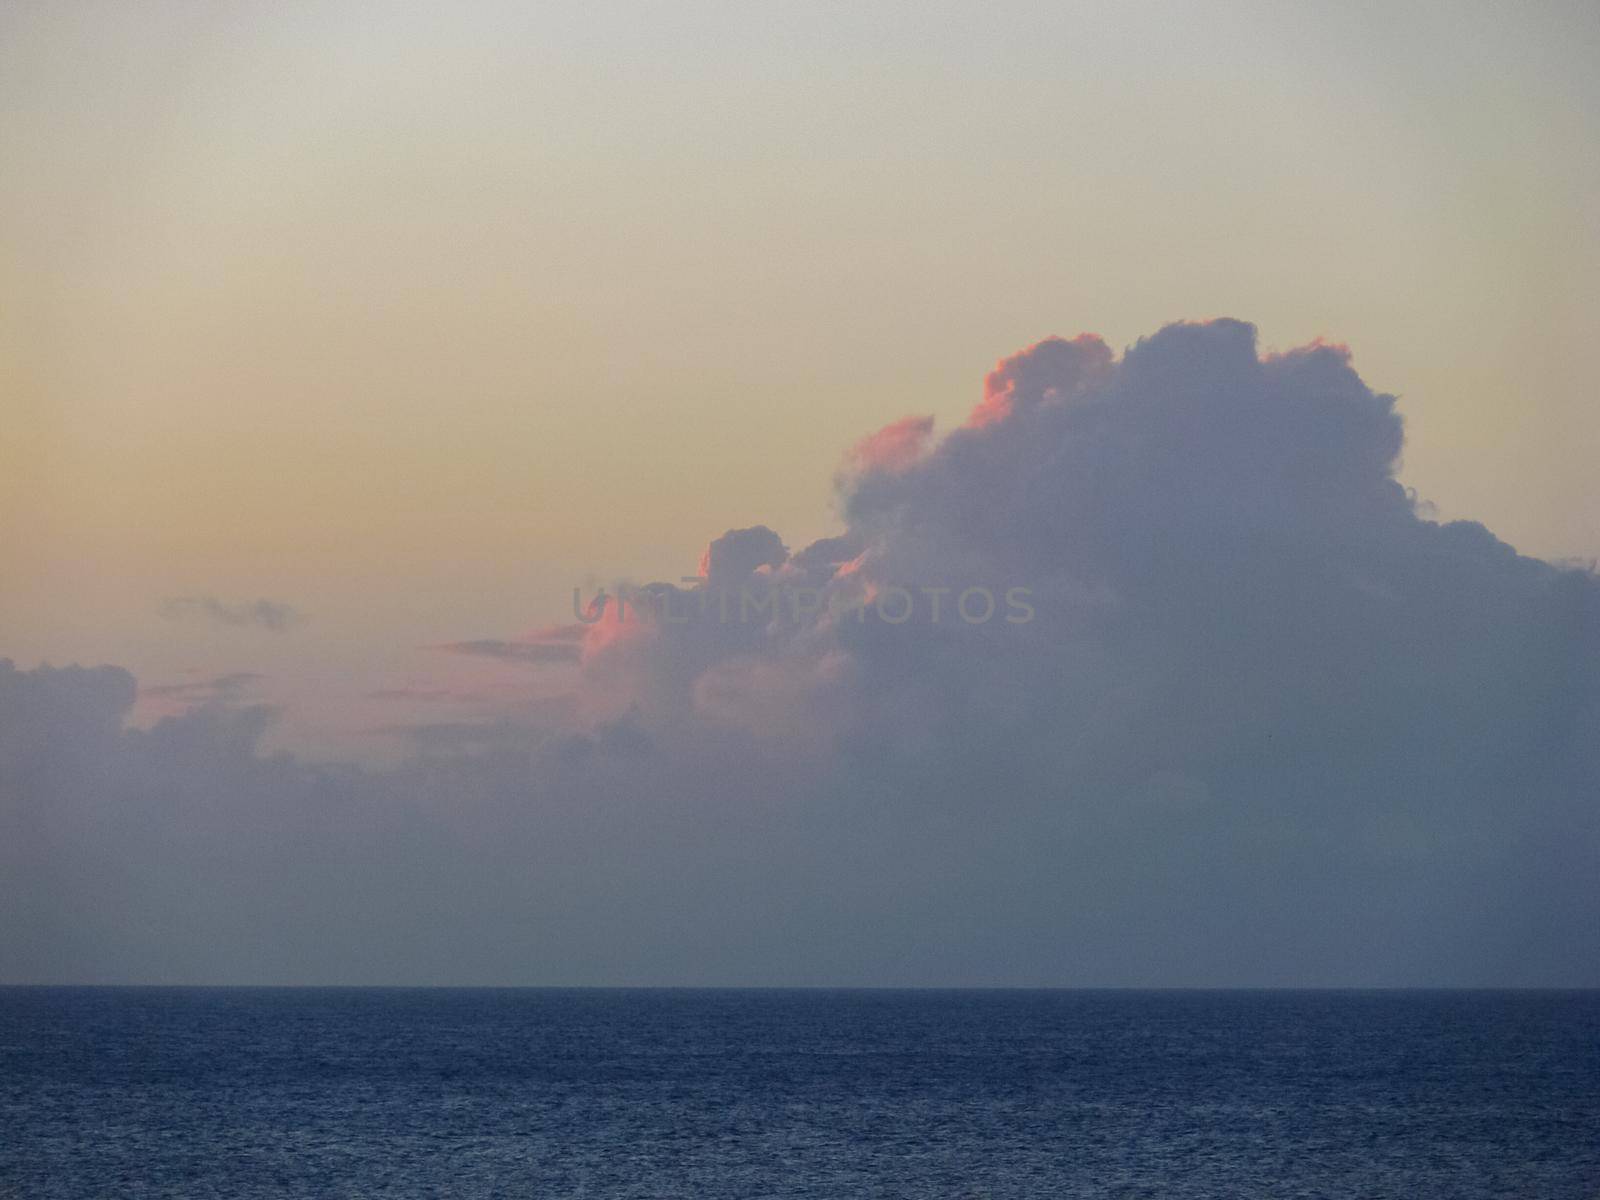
[244, 1092]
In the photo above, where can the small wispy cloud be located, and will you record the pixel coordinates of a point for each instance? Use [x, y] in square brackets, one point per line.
[271, 615]
[461, 736]
[544, 652]
[418, 692]
[198, 691]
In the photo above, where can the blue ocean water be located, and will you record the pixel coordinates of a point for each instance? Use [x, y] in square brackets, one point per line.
[131, 1092]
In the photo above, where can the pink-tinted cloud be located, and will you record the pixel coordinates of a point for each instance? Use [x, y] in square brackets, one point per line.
[1051, 370]
[894, 447]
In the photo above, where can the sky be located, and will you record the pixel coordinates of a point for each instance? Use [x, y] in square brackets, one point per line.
[343, 342]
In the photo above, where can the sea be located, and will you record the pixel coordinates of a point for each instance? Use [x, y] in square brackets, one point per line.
[705, 1094]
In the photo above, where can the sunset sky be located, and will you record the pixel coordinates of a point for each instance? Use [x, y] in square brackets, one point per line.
[414, 317]
[340, 342]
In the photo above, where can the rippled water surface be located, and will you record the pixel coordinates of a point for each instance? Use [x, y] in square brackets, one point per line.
[706, 1094]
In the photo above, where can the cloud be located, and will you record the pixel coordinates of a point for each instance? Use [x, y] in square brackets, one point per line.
[202, 690]
[1269, 724]
[739, 552]
[540, 653]
[894, 447]
[232, 689]
[434, 736]
[1050, 371]
[271, 615]
[415, 692]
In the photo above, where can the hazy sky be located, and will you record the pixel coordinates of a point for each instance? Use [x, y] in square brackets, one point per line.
[339, 342]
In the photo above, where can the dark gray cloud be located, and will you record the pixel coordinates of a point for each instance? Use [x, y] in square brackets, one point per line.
[271, 615]
[1270, 724]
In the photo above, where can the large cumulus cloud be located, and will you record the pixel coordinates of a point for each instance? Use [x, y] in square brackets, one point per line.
[1268, 724]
